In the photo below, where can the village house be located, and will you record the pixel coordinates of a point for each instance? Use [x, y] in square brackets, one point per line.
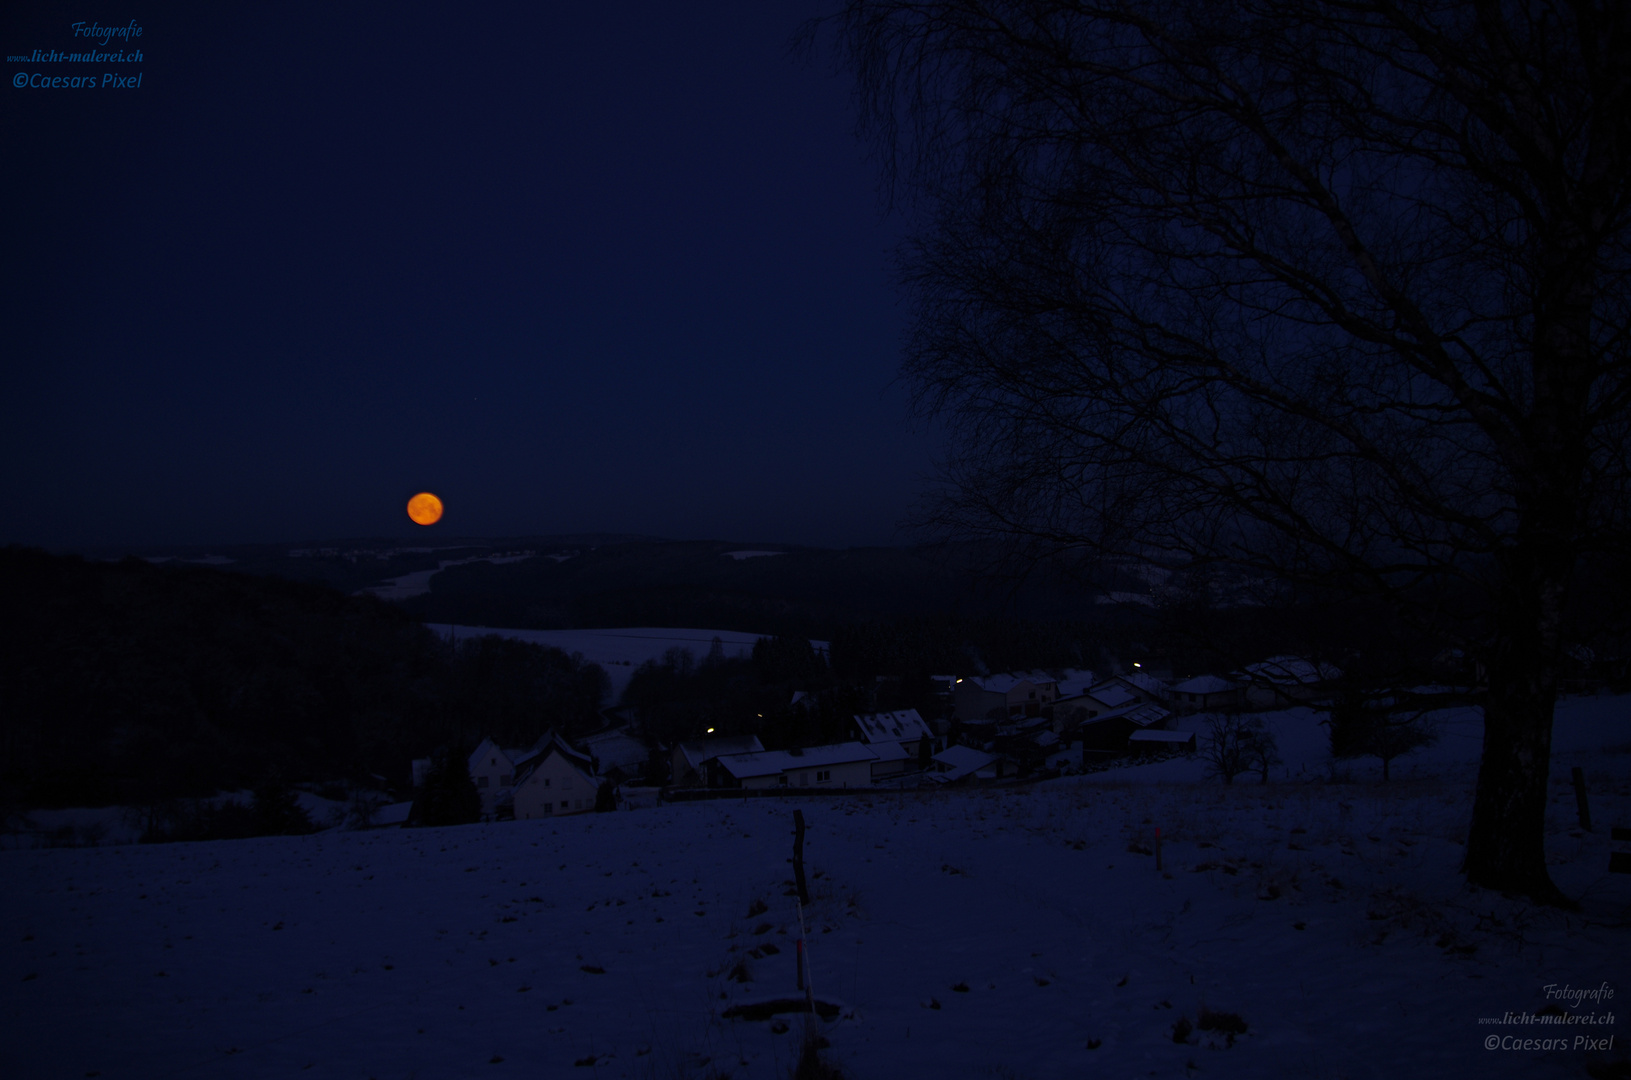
[905, 728]
[998, 696]
[1205, 693]
[1108, 735]
[841, 765]
[891, 760]
[493, 767]
[690, 759]
[1105, 697]
[616, 751]
[1156, 741]
[962, 763]
[554, 780]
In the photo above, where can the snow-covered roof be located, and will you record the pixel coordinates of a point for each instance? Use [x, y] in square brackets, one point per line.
[1112, 694]
[698, 751]
[1161, 736]
[1002, 684]
[1145, 715]
[552, 745]
[889, 750]
[1141, 715]
[1074, 682]
[1292, 669]
[1024, 724]
[1146, 682]
[960, 761]
[896, 726]
[616, 747]
[775, 762]
[1204, 684]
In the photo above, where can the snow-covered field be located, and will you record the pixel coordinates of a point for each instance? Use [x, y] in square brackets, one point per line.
[984, 933]
[619, 651]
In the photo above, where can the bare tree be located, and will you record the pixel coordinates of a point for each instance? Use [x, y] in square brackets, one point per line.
[1329, 294]
[1362, 727]
[1232, 746]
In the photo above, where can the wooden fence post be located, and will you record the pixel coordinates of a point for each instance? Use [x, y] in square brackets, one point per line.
[798, 856]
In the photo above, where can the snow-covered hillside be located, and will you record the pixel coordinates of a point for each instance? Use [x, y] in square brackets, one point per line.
[985, 933]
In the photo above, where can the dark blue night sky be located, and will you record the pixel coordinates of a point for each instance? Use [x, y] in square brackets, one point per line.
[574, 267]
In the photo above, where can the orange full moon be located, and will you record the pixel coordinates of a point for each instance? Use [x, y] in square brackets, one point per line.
[425, 508]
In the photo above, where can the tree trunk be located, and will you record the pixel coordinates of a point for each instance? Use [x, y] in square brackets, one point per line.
[1506, 844]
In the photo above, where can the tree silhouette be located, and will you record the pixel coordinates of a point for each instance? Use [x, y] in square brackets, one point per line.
[1329, 296]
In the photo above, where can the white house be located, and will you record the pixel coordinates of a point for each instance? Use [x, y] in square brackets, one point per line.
[840, 765]
[1205, 692]
[892, 759]
[690, 759]
[1009, 694]
[554, 780]
[493, 768]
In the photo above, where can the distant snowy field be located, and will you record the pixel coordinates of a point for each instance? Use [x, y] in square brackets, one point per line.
[980, 933]
[622, 650]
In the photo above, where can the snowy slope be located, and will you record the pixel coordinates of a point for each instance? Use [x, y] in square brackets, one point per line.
[1328, 916]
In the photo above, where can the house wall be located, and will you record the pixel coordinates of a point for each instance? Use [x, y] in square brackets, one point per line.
[883, 769]
[554, 788]
[851, 774]
[491, 771]
[1028, 697]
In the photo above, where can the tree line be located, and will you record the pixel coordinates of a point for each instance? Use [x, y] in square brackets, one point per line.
[129, 682]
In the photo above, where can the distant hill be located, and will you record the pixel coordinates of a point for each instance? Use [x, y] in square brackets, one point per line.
[128, 681]
[594, 581]
[806, 592]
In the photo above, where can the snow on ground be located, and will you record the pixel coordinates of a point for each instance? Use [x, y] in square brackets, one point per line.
[1000, 932]
[623, 649]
